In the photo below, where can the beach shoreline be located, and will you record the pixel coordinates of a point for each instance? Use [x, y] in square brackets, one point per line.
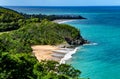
[60, 21]
[56, 53]
[60, 53]
[43, 52]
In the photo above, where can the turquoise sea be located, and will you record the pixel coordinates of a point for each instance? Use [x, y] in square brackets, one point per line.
[101, 58]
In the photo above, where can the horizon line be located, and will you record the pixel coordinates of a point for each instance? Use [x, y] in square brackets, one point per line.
[62, 6]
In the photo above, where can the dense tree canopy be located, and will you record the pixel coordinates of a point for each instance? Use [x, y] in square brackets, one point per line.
[8, 15]
[25, 66]
[9, 19]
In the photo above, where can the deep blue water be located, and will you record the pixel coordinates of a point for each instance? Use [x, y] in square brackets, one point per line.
[102, 26]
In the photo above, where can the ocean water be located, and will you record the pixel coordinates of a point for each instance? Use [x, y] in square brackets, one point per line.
[101, 58]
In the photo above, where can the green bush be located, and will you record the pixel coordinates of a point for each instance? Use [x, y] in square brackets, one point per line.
[25, 66]
[9, 19]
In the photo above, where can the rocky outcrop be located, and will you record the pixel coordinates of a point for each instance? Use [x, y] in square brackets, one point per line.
[77, 41]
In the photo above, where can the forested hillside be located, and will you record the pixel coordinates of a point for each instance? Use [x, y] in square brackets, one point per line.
[16, 59]
[44, 33]
[12, 20]
[9, 19]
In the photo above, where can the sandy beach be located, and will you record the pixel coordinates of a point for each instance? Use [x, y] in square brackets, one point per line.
[44, 52]
[49, 52]
[60, 21]
[56, 53]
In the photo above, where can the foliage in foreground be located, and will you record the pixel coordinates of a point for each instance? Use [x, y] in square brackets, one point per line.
[25, 66]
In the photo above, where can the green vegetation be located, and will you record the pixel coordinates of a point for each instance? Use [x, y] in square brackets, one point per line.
[12, 20]
[53, 17]
[16, 59]
[25, 66]
[44, 33]
[8, 15]
[9, 19]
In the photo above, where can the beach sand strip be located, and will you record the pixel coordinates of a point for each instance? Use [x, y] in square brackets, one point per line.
[45, 52]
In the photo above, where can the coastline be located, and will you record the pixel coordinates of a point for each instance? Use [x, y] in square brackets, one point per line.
[60, 21]
[56, 53]
[68, 56]
[60, 53]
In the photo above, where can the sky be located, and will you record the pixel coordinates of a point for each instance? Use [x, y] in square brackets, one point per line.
[59, 2]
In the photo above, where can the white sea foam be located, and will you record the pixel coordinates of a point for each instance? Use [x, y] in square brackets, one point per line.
[92, 44]
[64, 21]
[68, 56]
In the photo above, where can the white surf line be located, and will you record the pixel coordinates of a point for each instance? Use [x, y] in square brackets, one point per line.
[61, 22]
[91, 44]
[68, 56]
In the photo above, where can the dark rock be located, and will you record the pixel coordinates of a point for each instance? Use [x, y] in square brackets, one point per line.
[77, 41]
